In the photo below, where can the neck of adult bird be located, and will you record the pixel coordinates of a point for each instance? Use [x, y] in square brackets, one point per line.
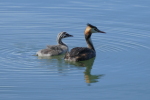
[89, 41]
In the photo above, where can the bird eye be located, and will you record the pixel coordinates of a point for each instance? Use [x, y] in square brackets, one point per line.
[95, 29]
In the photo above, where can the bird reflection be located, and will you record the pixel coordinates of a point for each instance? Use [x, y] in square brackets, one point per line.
[89, 78]
[63, 65]
[53, 61]
[51, 57]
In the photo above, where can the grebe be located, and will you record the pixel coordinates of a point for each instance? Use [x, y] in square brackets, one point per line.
[84, 53]
[53, 50]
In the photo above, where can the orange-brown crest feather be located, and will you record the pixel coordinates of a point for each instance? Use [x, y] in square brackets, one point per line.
[87, 30]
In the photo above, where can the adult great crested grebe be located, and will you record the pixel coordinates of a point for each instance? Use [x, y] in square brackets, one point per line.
[84, 53]
[53, 50]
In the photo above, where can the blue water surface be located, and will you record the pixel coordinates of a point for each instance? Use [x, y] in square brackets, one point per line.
[120, 71]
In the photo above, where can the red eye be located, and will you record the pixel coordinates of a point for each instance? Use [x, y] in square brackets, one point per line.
[95, 29]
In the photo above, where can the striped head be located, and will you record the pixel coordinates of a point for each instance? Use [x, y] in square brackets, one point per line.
[62, 35]
[92, 29]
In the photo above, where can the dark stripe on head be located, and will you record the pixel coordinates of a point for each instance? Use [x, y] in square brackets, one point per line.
[92, 26]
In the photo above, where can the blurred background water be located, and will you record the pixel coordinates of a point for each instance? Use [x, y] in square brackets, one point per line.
[120, 71]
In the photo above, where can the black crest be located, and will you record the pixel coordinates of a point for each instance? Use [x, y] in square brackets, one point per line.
[92, 26]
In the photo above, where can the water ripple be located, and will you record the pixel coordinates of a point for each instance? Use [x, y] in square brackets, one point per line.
[119, 45]
[19, 58]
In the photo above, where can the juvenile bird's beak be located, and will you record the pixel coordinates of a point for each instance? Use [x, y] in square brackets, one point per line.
[68, 35]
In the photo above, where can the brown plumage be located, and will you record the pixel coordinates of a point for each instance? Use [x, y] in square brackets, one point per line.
[84, 53]
[80, 54]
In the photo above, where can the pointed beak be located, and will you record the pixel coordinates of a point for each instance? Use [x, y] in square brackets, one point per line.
[68, 35]
[101, 31]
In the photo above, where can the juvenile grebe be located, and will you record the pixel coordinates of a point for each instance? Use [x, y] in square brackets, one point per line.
[84, 53]
[53, 50]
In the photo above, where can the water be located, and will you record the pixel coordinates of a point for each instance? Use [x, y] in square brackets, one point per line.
[119, 72]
